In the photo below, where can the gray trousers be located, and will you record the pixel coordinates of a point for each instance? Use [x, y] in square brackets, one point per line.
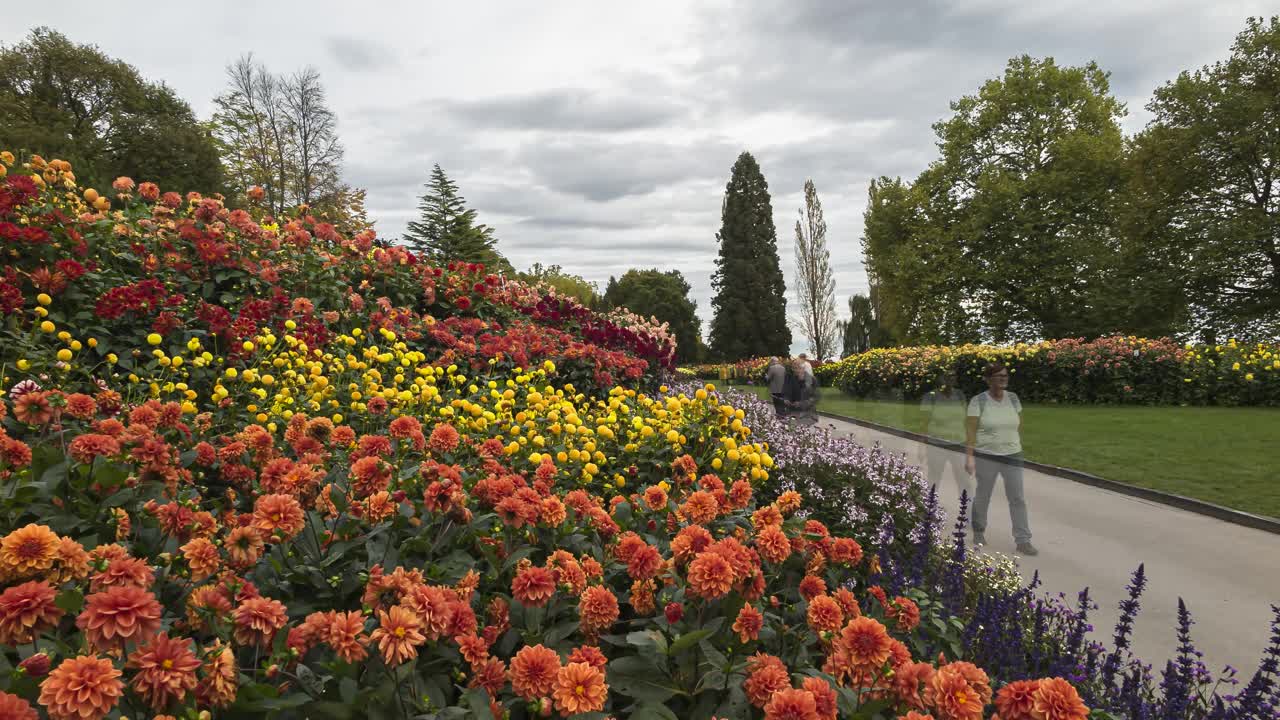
[1009, 467]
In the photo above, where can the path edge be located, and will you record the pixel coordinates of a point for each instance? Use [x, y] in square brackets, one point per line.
[1200, 507]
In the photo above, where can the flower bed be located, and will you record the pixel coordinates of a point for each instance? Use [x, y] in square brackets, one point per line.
[1118, 370]
[259, 469]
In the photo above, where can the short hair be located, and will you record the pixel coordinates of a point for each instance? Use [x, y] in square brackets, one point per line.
[994, 368]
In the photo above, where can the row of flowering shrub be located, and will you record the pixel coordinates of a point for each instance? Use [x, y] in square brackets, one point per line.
[1109, 370]
[154, 269]
[750, 370]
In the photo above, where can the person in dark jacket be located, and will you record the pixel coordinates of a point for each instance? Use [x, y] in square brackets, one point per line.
[776, 378]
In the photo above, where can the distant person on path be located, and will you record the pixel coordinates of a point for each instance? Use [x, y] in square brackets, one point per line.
[994, 431]
[776, 378]
[942, 420]
[804, 362]
[802, 394]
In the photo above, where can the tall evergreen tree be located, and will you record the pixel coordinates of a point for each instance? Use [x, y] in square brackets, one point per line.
[447, 229]
[750, 302]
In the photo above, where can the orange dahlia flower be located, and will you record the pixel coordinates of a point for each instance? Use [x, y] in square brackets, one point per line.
[119, 615]
[397, 635]
[166, 670]
[701, 507]
[766, 675]
[81, 688]
[655, 498]
[579, 688]
[533, 586]
[909, 681]
[278, 512]
[1015, 700]
[533, 671]
[202, 557]
[257, 620]
[26, 611]
[824, 697]
[748, 623]
[219, 681]
[13, 707]
[825, 614]
[344, 633]
[905, 612]
[123, 570]
[28, 551]
[959, 691]
[710, 576]
[867, 643]
[1056, 699]
[791, 704]
[773, 544]
[589, 654]
[244, 546]
[597, 609]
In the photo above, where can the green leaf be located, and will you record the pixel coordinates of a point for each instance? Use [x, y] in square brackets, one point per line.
[652, 711]
[637, 678]
[478, 699]
[70, 601]
[716, 657]
[648, 641]
[688, 640]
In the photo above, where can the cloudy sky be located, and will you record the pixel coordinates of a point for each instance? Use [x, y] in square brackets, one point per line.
[599, 135]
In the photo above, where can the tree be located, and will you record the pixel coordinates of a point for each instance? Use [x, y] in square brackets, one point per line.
[564, 283]
[750, 303]
[1024, 194]
[1208, 187]
[73, 102]
[313, 127]
[446, 228]
[663, 296]
[815, 283]
[279, 133]
[860, 330]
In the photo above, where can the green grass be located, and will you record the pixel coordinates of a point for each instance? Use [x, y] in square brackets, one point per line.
[1227, 456]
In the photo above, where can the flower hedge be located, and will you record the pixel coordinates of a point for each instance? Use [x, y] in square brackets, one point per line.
[250, 467]
[1112, 370]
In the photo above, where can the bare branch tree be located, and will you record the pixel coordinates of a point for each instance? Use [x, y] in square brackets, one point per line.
[815, 283]
[314, 130]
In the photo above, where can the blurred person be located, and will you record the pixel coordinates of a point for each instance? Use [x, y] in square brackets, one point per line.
[804, 362]
[993, 446]
[776, 378]
[801, 394]
[943, 414]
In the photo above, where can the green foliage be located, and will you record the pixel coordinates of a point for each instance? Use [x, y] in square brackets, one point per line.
[750, 302]
[73, 102]
[663, 295]
[1206, 197]
[862, 330]
[1024, 185]
[574, 286]
[446, 229]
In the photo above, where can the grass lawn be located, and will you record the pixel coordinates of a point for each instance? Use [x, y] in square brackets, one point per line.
[1227, 456]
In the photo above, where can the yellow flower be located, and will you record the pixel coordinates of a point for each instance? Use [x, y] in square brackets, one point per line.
[64, 355]
[43, 299]
[47, 327]
[154, 339]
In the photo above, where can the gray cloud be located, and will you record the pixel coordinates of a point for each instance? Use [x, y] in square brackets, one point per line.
[567, 109]
[358, 55]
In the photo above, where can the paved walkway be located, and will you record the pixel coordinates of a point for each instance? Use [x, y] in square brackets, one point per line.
[1228, 575]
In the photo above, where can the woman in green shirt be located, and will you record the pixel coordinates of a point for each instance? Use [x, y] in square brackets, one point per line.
[993, 446]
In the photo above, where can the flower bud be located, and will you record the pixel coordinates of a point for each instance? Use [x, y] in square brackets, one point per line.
[36, 666]
[674, 612]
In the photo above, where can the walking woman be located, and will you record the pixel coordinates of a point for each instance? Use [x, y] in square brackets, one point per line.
[993, 446]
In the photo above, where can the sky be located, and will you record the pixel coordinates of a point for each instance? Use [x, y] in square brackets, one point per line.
[599, 135]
